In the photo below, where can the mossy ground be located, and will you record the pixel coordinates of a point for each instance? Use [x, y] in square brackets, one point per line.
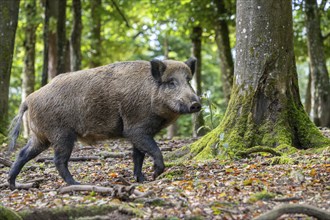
[8, 214]
[278, 132]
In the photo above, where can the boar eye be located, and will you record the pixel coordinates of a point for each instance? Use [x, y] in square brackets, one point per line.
[171, 83]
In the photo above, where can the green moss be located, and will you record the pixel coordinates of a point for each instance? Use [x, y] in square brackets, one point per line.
[263, 195]
[286, 148]
[283, 159]
[172, 174]
[8, 214]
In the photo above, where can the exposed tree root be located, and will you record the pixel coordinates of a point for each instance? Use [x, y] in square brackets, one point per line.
[257, 149]
[293, 209]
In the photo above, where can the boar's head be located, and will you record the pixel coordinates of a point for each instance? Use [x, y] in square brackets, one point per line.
[174, 92]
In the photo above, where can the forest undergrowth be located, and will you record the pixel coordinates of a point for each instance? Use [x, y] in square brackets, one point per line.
[215, 189]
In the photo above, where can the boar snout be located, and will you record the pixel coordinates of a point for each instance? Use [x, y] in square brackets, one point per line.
[195, 107]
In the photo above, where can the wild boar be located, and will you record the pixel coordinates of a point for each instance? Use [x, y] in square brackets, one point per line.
[133, 100]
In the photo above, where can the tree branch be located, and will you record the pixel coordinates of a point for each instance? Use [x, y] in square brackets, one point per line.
[121, 13]
[293, 209]
[326, 36]
[322, 5]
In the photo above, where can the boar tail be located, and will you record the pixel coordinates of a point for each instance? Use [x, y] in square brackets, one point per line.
[15, 126]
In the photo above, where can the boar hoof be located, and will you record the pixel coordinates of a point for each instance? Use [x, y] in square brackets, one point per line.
[140, 178]
[12, 186]
[11, 183]
[156, 174]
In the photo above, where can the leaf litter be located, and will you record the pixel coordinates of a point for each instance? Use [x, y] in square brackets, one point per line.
[214, 189]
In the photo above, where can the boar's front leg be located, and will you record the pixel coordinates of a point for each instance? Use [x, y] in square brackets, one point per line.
[146, 144]
[138, 158]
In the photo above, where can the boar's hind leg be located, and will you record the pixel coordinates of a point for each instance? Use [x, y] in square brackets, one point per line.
[32, 149]
[146, 144]
[138, 158]
[63, 149]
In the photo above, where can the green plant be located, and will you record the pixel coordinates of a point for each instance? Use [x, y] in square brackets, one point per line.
[212, 113]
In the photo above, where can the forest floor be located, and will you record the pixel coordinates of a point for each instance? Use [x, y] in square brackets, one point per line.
[240, 189]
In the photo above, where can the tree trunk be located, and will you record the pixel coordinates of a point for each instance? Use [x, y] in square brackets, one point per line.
[96, 33]
[308, 98]
[172, 130]
[61, 38]
[29, 48]
[44, 75]
[52, 38]
[320, 85]
[265, 108]
[75, 39]
[8, 25]
[223, 42]
[197, 118]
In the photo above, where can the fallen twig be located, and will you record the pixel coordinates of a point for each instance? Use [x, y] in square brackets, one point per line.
[293, 209]
[115, 154]
[118, 191]
[138, 194]
[25, 186]
[87, 158]
[77, 159]
[124, 181]
[287, 199]
[166, 148]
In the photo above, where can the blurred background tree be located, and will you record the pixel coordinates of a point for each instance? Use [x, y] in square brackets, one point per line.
[100, 32]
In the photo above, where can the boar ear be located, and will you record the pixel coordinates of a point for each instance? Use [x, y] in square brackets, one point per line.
[191, 63]
[157, 69]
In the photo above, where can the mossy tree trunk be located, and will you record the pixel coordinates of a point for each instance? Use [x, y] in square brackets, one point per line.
[223, 42]
[30, 28]
[8, 24]
[320, 85]
[265, 107]
[196, 39]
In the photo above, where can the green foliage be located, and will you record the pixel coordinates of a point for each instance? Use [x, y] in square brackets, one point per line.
[138, 31]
